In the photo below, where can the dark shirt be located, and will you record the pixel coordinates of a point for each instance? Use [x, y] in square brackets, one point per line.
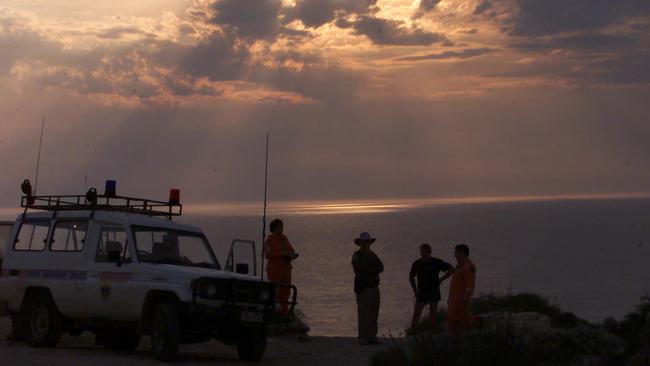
[367, 267]
[427, 273]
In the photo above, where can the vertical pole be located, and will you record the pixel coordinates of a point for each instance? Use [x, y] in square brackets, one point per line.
[38, 159]
[266, 183]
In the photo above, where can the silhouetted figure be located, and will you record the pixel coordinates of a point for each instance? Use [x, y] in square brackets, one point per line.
[280, 253]
[367, 267]
[461, 289]
[427, 289]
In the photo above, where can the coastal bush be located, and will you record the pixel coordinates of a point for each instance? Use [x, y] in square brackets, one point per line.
[504, 345]
[525, 303]
[520, 329]
[506, 304]
[634, 329]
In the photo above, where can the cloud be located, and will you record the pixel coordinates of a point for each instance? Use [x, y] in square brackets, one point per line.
[425, 7]
[220, 57]
[578, 42]
[251, 19]
[391, 32]
[551, 17]
[119, 32]
[483, 7]
[315, 13]
[462, 54]
[575, 42]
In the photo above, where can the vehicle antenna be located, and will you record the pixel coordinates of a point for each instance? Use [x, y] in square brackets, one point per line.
[266, 183]
[38, 159]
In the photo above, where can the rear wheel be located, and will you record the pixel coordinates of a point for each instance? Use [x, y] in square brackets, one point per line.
[165, 332]
[251, 343]
[43, 325]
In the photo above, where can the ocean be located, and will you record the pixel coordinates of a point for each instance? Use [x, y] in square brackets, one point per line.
[589, 256]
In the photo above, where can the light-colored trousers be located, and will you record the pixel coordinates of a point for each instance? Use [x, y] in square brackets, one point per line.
[368, 312]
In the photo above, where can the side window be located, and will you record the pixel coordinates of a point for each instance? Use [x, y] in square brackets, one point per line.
[69, 236]
[32, 235]
[111, 237]
[5, 235]
[146, 241]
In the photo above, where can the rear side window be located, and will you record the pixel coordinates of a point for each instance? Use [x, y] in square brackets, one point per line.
[112, 237]
[32, 235]
[69, 236]
[5, 235]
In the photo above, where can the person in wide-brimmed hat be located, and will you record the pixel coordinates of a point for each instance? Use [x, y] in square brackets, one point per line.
[367, 267]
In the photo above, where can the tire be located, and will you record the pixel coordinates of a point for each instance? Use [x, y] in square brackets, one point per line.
[165, 332]
[18, 327]
[251, 343]
[42, 322]
[119, 339]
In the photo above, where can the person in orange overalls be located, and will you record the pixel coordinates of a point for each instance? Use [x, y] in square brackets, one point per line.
[461, 290]
[280, 253]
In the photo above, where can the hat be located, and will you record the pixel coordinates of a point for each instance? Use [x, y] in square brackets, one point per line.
[364, 237]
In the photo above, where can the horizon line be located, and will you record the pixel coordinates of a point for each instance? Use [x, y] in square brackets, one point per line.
[368, 205]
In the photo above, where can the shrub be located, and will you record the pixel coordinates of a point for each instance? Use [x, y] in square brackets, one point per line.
[634, 329]
[523, 303]
[503, 346]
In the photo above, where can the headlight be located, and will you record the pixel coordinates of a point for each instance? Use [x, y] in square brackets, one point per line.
[265, 295]
[210, 290]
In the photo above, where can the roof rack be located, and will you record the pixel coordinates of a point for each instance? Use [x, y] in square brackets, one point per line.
[103, 203]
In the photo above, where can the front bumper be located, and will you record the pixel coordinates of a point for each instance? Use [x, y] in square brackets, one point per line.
[239, 299]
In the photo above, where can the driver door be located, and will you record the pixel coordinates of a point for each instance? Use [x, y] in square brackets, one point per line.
[110, 282]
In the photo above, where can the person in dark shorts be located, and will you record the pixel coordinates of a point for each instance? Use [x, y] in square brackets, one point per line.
[427, 288]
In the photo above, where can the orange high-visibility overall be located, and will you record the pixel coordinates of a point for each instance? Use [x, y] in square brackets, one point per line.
[278, 268]
[463, 281]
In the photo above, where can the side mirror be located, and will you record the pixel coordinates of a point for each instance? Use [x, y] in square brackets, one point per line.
[114, 252]
[241, 268]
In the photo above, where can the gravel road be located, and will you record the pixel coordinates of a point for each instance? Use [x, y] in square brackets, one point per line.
[81, 350]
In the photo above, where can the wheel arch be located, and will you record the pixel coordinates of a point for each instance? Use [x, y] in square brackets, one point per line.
[37, 291]
[151, 299]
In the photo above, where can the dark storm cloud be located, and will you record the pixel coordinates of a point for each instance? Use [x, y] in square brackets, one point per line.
[220, 57]
[425, 7]
[315, 13]
[251, 19]
[462, 54]
[329, 84]
[537, 18]
[391, 32]
[483, 7]
[582, 42]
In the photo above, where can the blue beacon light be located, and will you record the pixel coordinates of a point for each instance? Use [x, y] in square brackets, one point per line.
[110, 190]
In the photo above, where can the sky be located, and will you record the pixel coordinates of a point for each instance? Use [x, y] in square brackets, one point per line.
[363, 99]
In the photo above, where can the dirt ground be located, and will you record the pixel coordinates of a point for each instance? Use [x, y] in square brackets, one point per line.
[71, 351]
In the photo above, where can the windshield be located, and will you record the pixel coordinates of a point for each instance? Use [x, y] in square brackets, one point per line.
[168, 246]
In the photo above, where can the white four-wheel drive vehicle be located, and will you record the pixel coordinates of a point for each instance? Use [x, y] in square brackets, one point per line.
[121, 268]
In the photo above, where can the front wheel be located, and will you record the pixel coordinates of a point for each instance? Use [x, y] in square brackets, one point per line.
[251, 343]
[165, 332]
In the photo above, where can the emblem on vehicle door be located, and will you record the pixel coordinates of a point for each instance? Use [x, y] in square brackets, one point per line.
[105, 290]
